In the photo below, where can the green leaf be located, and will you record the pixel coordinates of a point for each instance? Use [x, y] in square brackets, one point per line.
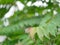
[52, 29]
[56, 20]
[6, 1]
[2, 12]
[40, 33]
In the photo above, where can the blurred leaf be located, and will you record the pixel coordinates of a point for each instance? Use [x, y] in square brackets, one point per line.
[6, 1]
[2, 12]
[40, 33]
[32, 31]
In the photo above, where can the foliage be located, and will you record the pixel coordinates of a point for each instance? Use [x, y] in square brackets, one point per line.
[34, 25]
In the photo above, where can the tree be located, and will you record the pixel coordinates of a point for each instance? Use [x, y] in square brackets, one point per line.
[30, 22]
